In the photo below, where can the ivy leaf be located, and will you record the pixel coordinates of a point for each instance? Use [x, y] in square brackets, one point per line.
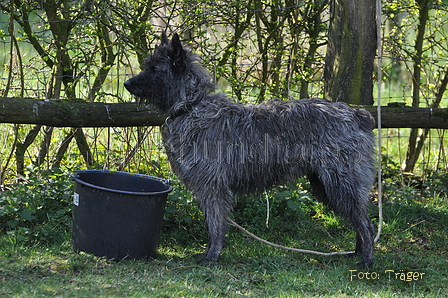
[293, 205]
[26, 215]
[283, 194]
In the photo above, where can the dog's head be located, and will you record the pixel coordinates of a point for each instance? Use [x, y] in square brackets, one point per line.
[172, 79]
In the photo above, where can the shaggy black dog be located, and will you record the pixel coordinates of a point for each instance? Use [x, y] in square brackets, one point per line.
[220, 148]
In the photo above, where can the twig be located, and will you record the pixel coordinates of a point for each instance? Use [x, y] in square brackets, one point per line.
[422, 221]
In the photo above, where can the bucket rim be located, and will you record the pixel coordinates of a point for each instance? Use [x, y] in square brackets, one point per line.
[75, 177]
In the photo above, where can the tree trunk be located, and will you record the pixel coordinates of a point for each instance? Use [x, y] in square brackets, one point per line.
[415, 140]
[62, 149]
[21, 148]
[84, 147]
[352, 45]
[44, 146]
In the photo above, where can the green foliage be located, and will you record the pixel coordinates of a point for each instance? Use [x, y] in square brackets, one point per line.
[437, 183]
[414, 47]
[407, 187]
[291, 202]
[183, 218]
[414, 239]
[37, 210]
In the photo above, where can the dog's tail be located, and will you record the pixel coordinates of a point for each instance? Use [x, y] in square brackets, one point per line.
[366, 121]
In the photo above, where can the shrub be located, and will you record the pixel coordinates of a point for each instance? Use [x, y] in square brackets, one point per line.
[37, 209]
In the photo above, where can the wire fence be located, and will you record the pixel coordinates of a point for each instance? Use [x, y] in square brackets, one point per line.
[254, 52]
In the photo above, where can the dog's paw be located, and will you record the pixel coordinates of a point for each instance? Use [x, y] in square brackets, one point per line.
[364, 264]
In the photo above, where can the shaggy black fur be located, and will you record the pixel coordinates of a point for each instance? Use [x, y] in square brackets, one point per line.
[220, 148]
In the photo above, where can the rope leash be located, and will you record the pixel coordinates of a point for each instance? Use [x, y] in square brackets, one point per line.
[285, 247]
[380, 57]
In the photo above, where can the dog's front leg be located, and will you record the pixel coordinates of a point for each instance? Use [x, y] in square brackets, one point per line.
[216, 210]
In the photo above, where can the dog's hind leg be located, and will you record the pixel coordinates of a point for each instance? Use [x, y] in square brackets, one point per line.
[356, 212]
[347, 200]
[364, 236]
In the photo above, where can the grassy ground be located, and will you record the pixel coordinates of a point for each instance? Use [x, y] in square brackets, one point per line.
[410, 259]
[246, 269]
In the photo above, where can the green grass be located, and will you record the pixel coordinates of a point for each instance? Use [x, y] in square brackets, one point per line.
[410, 260]
[246, 269]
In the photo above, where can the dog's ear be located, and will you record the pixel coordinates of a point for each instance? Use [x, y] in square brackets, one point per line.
[176, 46]
[175, 41]
[177, 53]
[164, 38]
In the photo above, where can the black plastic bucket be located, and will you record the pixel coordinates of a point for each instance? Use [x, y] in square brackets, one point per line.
[118, 215]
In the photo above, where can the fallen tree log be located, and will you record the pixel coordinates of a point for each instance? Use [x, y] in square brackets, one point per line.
[407, 117]
[77, 113]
